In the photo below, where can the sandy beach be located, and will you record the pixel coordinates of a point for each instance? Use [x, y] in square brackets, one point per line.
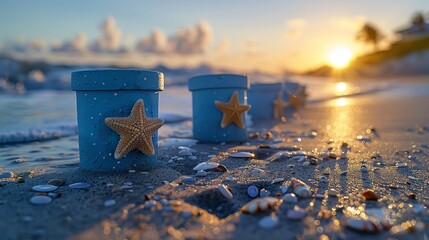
[171, 202]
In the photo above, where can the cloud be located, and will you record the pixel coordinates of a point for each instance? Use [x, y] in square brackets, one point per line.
[154, 43]
[295, 27]
[110, 39]
[75, 45]
[21, 46]
[349, 23]
[36, 45]
[187, 41]
[223, 47]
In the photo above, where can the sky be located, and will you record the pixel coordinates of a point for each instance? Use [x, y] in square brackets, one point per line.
[245, 35]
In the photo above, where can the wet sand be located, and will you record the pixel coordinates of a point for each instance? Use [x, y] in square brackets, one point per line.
[398, 135]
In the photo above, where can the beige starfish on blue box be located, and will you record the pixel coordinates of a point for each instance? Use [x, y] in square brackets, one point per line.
[232, 111]
[297, 100]
[279, 106]
[135, 131]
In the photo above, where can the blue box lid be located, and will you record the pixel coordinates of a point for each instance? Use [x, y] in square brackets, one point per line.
[265, 87]
[218, 81]
[117, 79]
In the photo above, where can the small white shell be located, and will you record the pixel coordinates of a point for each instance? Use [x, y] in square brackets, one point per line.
[300, 188]
[205, 166]
[225, 192]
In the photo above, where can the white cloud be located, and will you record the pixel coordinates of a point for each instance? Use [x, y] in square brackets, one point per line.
[75, 45]
[110, 39]
[349, 23]
[36, 45]
[295, 27]
[223, 47]
[186, 41]
[154, 43]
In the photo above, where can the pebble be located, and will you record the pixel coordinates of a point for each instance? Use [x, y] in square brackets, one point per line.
[79, 185]
[264, 193]
[54, 195]
[252, 191]
[320, 196]
[40, 200]
[188, 149]
[201, 173]
[284, 189]
[205, 166]
[370, 195]
[56, 182]
[220, 168]
[109, 202]
[193, 158]
[363, 138]
[332, 192]
[188, 180]
[132, 171]
[305, 164]
[364, 169]
[44, 188]
[7, 175]
[343, 173]
[290, 198]
[225, 191]
[185, 153]
[268, 222]
[412, 196]
[323, 179]
[242, 155]
[296, 213]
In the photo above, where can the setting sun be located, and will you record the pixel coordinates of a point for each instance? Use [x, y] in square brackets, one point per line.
[339, 57]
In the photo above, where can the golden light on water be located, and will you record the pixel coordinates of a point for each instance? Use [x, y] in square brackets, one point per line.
[340, 57]
[341, 102]
[341, 87]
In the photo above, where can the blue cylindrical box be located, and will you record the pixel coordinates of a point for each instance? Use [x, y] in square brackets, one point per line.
[112, 93]
[207, 118]
[261, 97]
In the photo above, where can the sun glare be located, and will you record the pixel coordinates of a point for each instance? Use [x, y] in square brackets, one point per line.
[341, 87]
[339, 57]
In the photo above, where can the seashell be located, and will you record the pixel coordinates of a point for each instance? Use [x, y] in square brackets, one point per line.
[259, 205]
[269, 222]
[256, 170]
[290, 198]
[225, 191]
[205, 166]
[242, 155]
[300, 188]
[296, 213]
[252, 191]
[220, 168]
[363, 138]
[44, 188]
[401, 165]
[369, 225]
[370, 195]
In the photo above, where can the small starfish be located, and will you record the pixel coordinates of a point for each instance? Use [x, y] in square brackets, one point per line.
[279, 106]
[297, 100]
[232, 111]
[135, 131]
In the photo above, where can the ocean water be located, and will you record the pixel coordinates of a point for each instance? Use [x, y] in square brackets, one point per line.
[39, 128]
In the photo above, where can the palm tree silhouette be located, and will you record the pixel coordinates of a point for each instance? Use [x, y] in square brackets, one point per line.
[369, 34]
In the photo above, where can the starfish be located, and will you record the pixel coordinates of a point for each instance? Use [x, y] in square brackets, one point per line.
[135, 131]
[279, 106]
[297, 100]
[232, 111]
